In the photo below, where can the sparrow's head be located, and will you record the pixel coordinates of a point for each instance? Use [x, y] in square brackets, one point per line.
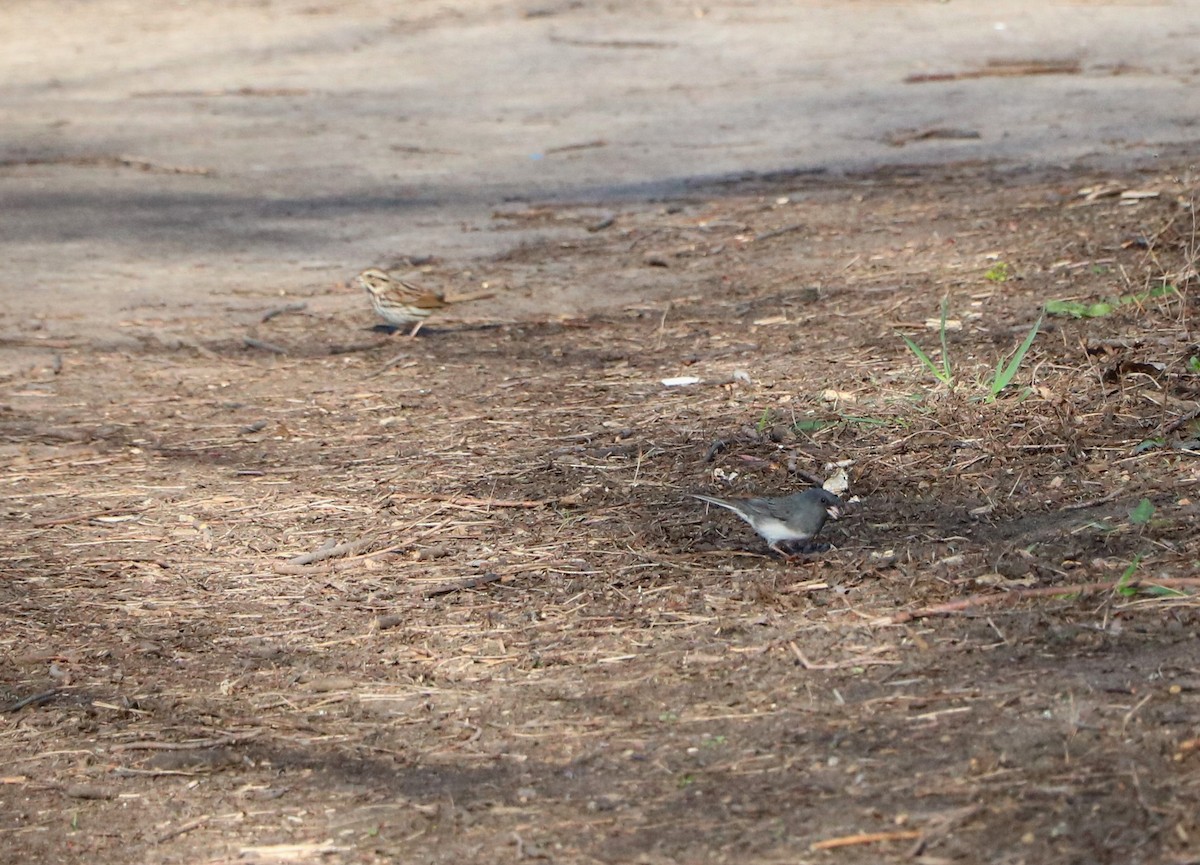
[373, 280]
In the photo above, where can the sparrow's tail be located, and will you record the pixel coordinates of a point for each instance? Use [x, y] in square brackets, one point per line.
[467, 298]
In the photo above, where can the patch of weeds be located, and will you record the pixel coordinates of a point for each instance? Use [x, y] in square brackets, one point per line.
[998, 272]
[1193, 364]
[1005, 372]
[810, 425]
[1123, 588]
[1126, 589]
[942, 373]
[1100, 308]
[1141, 514]
[1149, 445]
[1075, 309]
[763, 422]
[1006, 367]
[1164, 592]
[567, 518]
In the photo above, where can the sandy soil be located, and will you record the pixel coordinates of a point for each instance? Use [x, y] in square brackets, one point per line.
[280, 588]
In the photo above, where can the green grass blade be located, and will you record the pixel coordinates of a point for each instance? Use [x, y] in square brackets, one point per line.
[1123, 587]
[926, 360]
[1004, 374]
[948, 375]
[1143, 513]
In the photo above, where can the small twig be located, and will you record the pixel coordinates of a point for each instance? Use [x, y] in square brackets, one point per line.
[346, 549]
[182, 830]
[470, 501]
[79, 518]
[1079, 506]
[332, 567]
[865, 838]
[114, 560]
[899, 139]
[251, 342]
[298, 564]
[354, 347]
[129, 772]
[966, 604]
[193, 745]
[473, 583]
[87, 791]
[391, 363]
[1180, 421]
[811, 478]
[568, 148]
[787, 229]
[804, 661]
[489, 577]
[280, 310]
[853, 662]
[105, 161]
[228, 91]
[35, 700]
[646, 236]
[1129, 715]
[1000, 70]
[1137, 788]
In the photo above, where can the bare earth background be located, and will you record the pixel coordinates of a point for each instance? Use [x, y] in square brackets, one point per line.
[278, 588]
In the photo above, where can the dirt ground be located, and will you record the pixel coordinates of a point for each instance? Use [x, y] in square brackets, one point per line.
[277, 587]
[531, 645]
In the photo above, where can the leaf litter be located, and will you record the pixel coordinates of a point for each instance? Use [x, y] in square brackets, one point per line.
[290, 605]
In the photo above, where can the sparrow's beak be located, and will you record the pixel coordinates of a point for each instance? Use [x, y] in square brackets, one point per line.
[834, 512]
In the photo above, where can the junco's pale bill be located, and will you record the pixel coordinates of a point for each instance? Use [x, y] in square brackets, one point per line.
[794, 518]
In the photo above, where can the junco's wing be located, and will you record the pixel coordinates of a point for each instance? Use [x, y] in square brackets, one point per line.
[806, 511]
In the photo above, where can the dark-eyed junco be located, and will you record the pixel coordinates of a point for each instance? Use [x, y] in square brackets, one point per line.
[797, 517]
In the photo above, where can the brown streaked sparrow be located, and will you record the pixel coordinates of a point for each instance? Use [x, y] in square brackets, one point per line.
[397, 302]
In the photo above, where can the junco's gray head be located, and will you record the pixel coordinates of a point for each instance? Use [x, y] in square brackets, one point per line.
[797, 517]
